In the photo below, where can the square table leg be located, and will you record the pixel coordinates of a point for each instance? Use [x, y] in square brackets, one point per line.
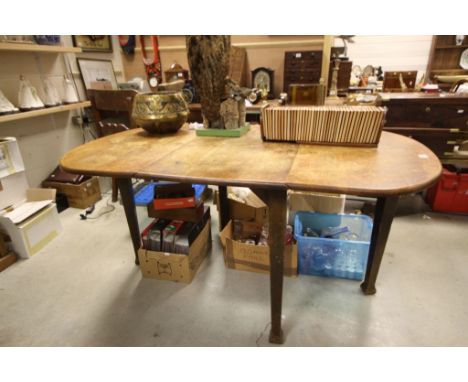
[383, 218]
[126, 191]
[276, 201]
[223, 207]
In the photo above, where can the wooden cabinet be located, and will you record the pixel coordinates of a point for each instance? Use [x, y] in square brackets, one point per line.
[302, 67]
[344, 75]
[444, 58]
[439, 121]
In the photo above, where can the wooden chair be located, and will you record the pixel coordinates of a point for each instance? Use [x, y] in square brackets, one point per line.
[112, 113]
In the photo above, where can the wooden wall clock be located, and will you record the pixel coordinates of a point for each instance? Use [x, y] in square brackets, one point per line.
[262, 79]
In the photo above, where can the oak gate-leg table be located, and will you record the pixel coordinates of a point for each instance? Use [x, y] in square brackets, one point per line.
[399, 165]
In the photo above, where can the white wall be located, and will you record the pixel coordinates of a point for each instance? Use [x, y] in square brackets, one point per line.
[44, 140]
[390, 52]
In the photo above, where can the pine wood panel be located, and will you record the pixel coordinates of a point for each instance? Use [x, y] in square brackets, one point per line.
[399, 164]
[45, 111]
[38, 48]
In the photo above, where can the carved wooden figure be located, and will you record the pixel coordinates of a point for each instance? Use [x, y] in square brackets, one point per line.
[208, 58]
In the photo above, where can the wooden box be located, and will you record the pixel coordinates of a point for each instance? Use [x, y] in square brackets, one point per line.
[82, 195]
[307, 94]
[331, 125]
[391, 82]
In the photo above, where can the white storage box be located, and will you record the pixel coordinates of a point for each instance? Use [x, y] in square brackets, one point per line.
[33, 223]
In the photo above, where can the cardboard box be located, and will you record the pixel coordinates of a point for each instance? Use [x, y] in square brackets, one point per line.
[316, 202]
[13, 189]
[36, 226]
[11, 160]
[13, 182]
[176, 267]
[254, 258]
[193, 214]
[6, 261]
[82, 195]
[253, 210]
[3, 244]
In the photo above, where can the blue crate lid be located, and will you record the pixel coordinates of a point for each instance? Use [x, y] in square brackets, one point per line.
[145, 195]
[359, 224]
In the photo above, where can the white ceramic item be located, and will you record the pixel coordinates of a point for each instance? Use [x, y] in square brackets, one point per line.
[464, 59]
[28, 99]
[6, 107]
[70, 91]
[52, 97]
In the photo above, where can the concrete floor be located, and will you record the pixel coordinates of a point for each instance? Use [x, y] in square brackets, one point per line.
[84, 290]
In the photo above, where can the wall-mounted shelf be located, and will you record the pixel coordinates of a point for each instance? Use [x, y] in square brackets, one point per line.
[46, 111]
[451, 46]
[12, 47]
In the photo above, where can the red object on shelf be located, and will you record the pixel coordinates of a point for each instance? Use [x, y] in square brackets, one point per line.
[171, 203]
[450, 194]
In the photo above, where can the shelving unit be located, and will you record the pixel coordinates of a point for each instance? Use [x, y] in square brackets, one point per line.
[41, 112]
[36, 48]
[444, 58]
[12, 47]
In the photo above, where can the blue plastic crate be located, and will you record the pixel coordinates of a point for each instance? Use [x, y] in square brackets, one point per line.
[333, 257]
[146, 195]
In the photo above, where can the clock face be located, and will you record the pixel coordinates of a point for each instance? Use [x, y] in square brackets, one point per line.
[262, 80]
[153, 81]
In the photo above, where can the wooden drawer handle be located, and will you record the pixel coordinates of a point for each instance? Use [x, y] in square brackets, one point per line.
[428, 109]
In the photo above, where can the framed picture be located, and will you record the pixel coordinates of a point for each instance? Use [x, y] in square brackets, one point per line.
[93, 43]
[97, 74]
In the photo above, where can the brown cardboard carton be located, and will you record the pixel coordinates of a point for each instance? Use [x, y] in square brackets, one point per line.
[317, 202]
[186, 214]
[173, 266]
[82, 195]
[254, 210]
[254, 258]
[3, 245]
[7, 260]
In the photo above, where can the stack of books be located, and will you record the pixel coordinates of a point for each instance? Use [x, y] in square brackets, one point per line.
[339, 125]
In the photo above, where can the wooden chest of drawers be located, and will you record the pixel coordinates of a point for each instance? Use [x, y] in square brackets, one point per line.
[302, 67]
[439, 121]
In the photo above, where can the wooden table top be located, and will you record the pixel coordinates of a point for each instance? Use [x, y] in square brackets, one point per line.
[398, 165]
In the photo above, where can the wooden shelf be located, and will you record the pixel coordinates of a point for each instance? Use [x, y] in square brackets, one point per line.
[457, 71]
[451, 46]
[12, 47]
[46, 111]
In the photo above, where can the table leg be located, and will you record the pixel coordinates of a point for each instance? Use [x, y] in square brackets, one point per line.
[276, 200]
[223, 207]
[126, 191]
[383, 217]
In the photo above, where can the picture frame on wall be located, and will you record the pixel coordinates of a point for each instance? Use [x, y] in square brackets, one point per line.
[97, 74]
[93, 43]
